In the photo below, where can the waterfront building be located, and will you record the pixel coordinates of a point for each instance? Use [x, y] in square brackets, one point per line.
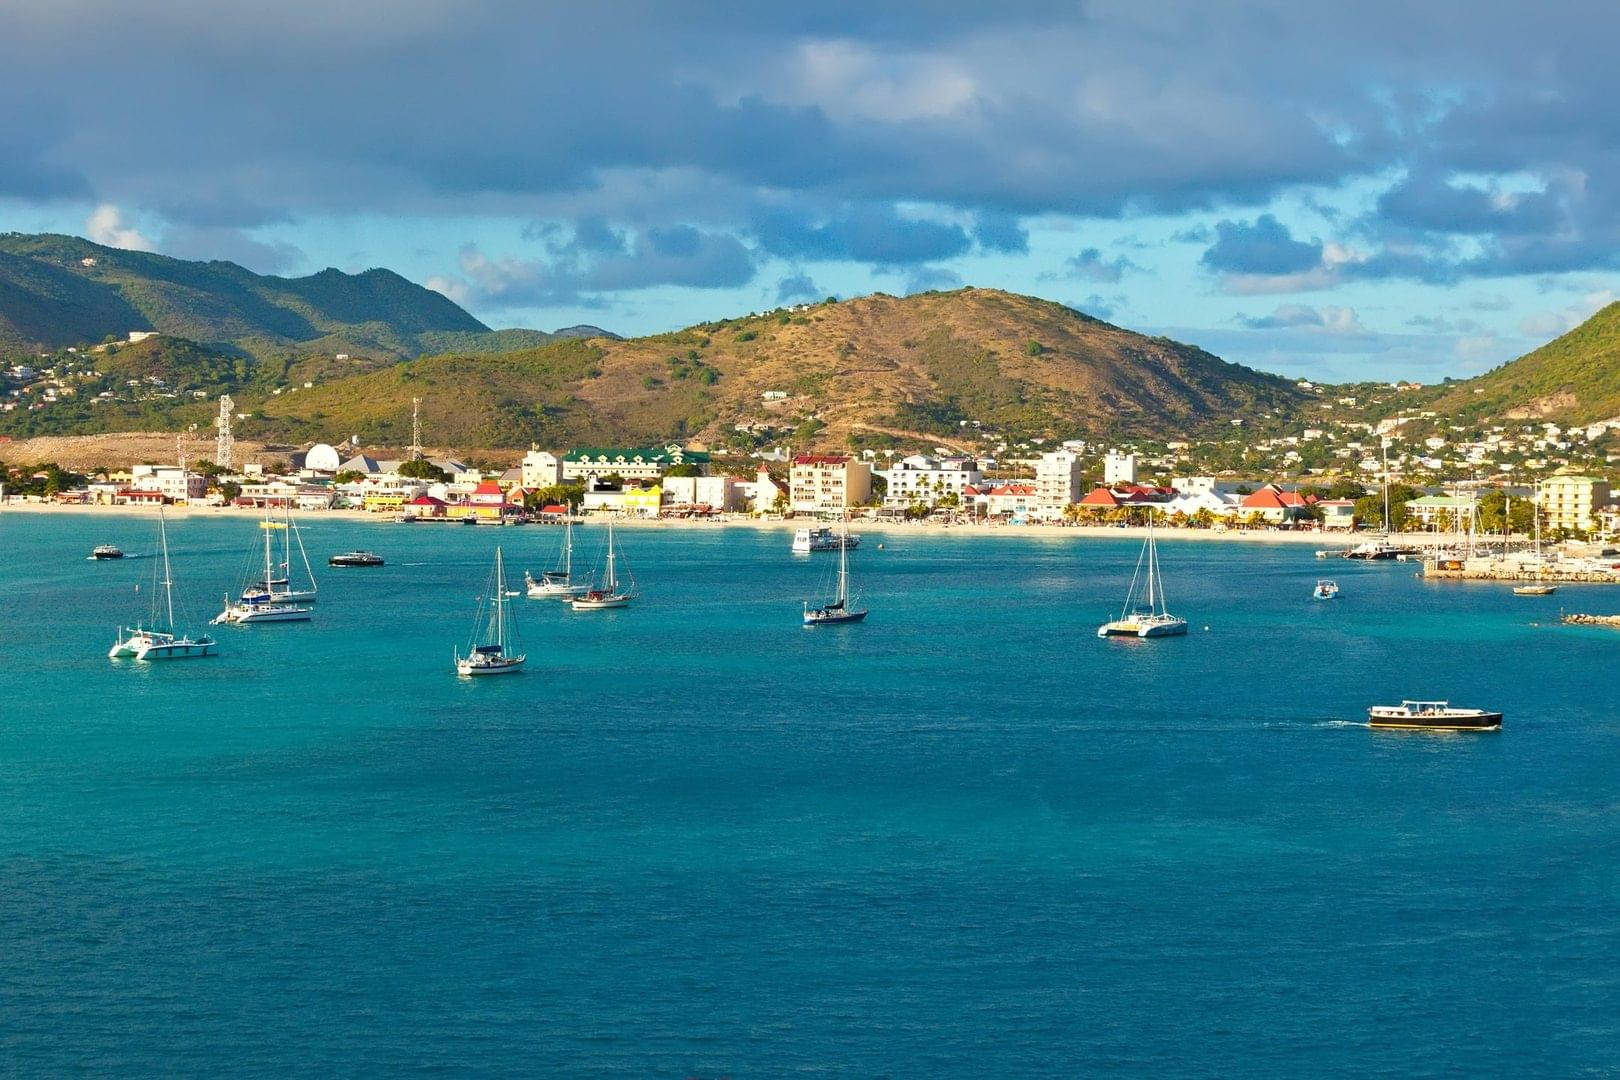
[175, 484]
[644, 463]
[1570, 502]
[540, 469]
[828, 483]
[1338, 513]
[1011, 500]
[1442, 511]
[922, 479]
[719, 493]
[1276, 505]
[1059, 479]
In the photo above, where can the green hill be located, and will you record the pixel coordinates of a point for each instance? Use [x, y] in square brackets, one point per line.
[1574, 378]
[62, 290]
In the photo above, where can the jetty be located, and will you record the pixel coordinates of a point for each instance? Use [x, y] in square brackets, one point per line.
[1512, 567]
[1592, 620]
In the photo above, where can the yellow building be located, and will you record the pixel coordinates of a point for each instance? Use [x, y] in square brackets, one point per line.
[643, 501]
[828, 483]
[1571, 502]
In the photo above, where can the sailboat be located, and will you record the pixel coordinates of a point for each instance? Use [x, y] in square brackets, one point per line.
[1144, 614]
[557, 584]
[277, 588]
[494, 631]
[165, 644]
[613, 593]
[840, 609]
[258, 607]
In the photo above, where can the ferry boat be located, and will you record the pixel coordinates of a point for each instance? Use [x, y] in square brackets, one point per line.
[106, 551]
[355, 558]
[1432, 716]
[1145, 614]
[1325, 590]
[808, 540]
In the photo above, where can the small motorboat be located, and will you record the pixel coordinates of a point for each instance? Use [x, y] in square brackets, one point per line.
[1432, 716]
[355, 558]
[1534, 590]
[1325, 590]
[106, 551]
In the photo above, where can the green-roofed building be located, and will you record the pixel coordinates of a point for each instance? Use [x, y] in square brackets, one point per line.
[638, 463]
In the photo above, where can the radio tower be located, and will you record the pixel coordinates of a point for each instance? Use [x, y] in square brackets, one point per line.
[416, 429]
[223, 444]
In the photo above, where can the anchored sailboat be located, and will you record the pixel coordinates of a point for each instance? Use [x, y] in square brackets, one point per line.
[840, 610]
[277, 588]
[161, 644]
[258, 607]
[1144, 614]
[612, 593]
[557, 584]
[494, 631]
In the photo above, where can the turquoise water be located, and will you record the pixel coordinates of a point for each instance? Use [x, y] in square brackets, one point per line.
[696, 839]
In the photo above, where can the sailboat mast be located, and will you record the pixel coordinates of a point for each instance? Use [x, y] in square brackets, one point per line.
[843, 563]
[268, 577]
[612, 582]
[168, 578]
[500, 599]
[1153, 566]
[568, 551]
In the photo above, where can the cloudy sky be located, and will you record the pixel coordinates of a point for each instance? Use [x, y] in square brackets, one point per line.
[1334, 190]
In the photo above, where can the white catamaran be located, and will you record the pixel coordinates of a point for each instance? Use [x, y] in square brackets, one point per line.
[557, 584]
[1144, 614]
[612, 593]
[840, 609]
[277, 588]
[494, 631]
[260, 607]
[144, 643]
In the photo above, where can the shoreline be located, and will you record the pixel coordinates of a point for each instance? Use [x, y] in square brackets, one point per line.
[908, 528]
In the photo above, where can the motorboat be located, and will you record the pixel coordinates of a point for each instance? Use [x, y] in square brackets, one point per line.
[1432, 716]
[823, 539]
[355, 558]
[1325, 590]
[102, 552]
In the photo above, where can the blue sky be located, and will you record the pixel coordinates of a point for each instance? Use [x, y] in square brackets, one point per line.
[1335, 191]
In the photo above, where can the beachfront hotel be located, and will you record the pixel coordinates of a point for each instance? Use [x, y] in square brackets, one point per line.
[1571, 502]
[828, 483]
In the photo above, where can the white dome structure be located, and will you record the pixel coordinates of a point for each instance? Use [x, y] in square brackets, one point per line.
[322, 458]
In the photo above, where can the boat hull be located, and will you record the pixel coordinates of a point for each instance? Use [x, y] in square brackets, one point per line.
[241, 616]
[1482, 722]
[473, 667]
[602, 603]
[832, 618]
[184, 649]
[1137, 629]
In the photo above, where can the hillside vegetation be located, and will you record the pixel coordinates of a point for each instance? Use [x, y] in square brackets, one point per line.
[862, 372]
[1574, 378]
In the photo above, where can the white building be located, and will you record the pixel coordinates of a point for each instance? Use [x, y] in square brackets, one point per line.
[540, 469]
[921, 479]
[1059, 479]
[175, 483]
[1118, 468]
[722, 493]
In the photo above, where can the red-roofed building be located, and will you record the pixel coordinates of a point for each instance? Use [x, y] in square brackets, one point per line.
[827, 484]
[1276, 505]
[425, 506]
[1011, 500]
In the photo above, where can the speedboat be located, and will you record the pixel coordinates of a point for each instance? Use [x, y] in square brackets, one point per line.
[1432, 716]
[106, 551]
[355, 558]
[1325, 590]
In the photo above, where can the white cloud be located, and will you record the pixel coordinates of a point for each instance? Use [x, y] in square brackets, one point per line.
[105, 225]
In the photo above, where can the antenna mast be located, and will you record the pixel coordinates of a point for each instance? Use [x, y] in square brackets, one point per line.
[416, 429]
[224, 445]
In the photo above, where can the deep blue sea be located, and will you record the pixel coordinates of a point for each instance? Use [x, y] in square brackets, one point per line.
[965, 838]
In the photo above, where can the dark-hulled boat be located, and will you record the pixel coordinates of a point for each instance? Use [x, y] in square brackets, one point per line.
[1432, 716]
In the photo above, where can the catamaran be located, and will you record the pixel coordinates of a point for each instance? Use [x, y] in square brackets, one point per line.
[255, 606]
[557, 584]
[840, 610]
[1144, 614]
[613, 593]
[494, 631]
[143, 643]
[277, 588]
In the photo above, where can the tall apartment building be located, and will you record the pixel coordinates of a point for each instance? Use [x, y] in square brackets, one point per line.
[828, 483]
[923, 479]
[1572, 502]
[1059, 479]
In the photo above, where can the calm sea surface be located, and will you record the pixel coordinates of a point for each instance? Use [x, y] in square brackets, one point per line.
[696, 839]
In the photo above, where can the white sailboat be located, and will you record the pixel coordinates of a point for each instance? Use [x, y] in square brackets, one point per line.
[557, 584]
[1144, 614]
[277, 588]
[613, 593]
[261, 607]
[840, 609]
[494, 632]
[144, 643]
